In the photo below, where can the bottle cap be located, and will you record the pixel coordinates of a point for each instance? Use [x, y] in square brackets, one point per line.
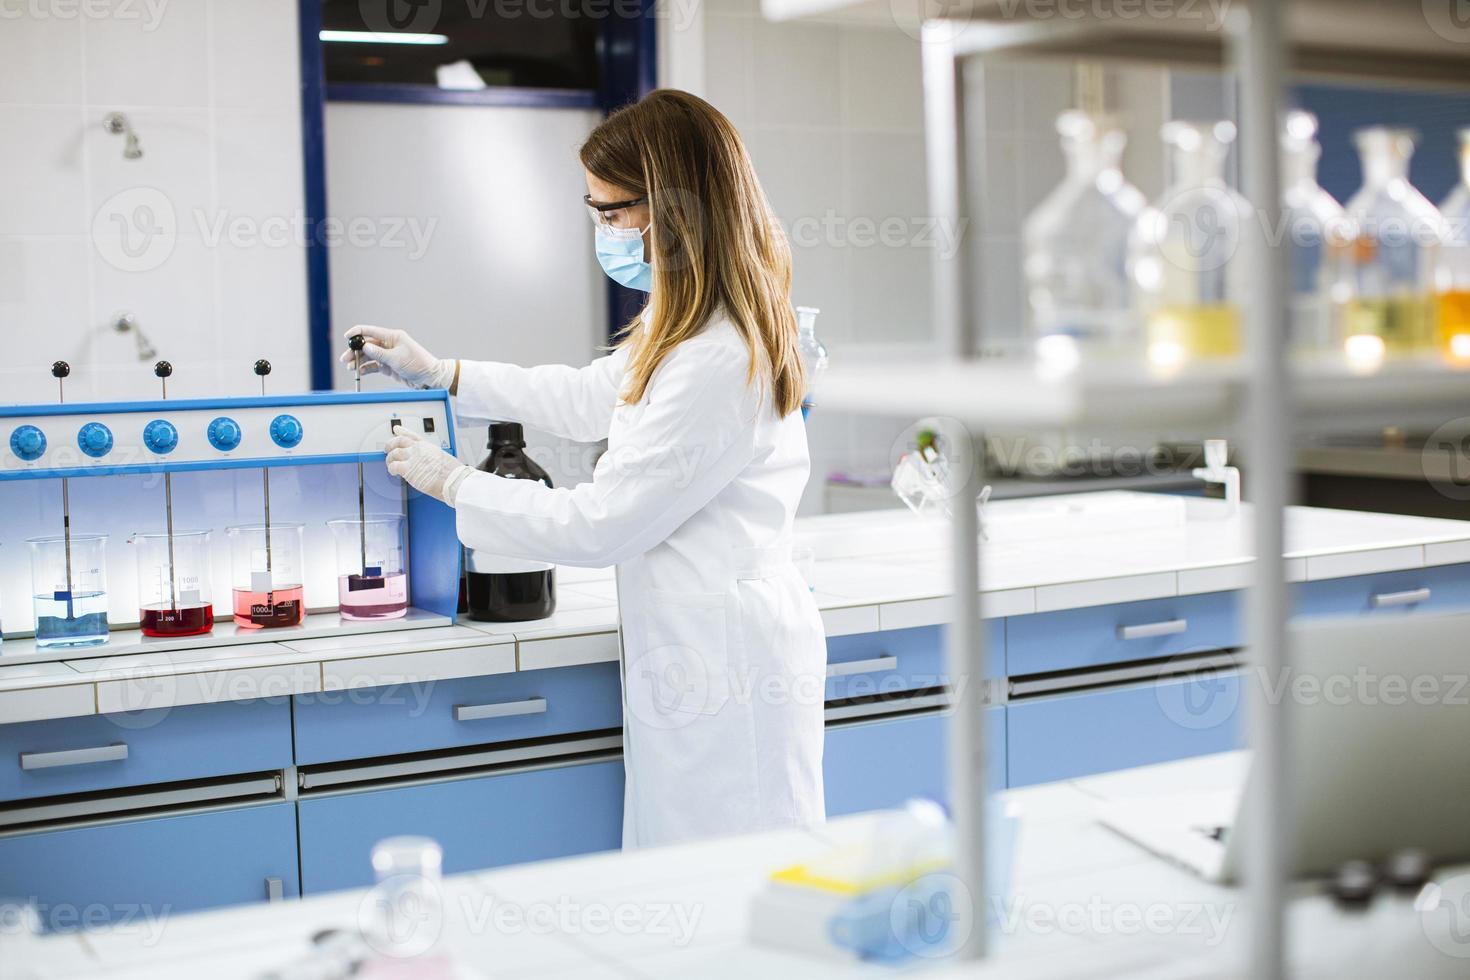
[507, 434]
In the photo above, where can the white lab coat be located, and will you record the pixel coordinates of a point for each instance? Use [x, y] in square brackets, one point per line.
[724, 654]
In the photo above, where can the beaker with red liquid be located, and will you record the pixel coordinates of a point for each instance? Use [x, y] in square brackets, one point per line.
[372, 582]
[175, 597]
[268, 569]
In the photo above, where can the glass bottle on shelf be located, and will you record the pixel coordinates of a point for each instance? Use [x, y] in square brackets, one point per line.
[1454, 273]
[1320, 235]
[1075, 241]
[1394, 255]
[1184, 256]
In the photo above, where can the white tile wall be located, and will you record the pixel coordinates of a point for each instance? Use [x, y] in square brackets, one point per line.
[211, 87]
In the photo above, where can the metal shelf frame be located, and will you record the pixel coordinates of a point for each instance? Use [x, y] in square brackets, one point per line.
[1254, 43]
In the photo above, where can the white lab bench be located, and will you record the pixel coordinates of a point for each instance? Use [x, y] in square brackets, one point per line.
[1083, 903]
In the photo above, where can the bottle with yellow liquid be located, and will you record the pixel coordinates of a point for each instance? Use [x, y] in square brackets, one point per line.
[1399, 234]
[1184, 259]
[1453, 278]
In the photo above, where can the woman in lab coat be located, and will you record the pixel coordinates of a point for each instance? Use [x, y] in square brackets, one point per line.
[723, 649]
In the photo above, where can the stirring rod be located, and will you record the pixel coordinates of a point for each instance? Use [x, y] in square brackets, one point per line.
[163, 369]
[59, 371]
[355, 342]
[262, 368]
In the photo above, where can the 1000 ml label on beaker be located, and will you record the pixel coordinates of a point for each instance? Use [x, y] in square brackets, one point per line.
[263, 610]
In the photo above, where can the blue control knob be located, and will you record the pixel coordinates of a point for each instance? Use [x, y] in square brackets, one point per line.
[28, 442]
[224, 434]
[160, 437]
[286, 431]
[95, 439]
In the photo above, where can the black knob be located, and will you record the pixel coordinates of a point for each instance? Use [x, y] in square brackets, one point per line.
[163, 369]
[356, 341]
[262, 367]
[1409, 869]
[1353, 885]
[60, 369]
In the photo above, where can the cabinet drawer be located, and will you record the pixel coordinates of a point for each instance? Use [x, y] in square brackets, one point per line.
[1072, 735]
[878, 764]
[481, 822]
[1442, 588]
[138, 871]
[893, 661]
[1076, 638]
[94, 752]
[339, 725]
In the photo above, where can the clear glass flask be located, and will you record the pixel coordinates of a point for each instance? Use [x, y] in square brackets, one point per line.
[1394, 255]
[69, 585]
[174, 592]
[1076, 240]
[1453, 279]
[267, 574]
[1185, 261]
[813, 355]
[1320, 235]
[372, 582]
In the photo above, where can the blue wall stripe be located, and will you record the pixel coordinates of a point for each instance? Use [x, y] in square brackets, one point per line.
[314, 162]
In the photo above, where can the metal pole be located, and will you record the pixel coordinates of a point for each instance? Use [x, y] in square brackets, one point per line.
[954, 285]
[1260, 60]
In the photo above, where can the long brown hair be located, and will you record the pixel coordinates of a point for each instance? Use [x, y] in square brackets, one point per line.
[716, 244]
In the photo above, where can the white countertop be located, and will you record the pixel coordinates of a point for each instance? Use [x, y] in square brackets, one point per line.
[1084, 902]
[875, 571]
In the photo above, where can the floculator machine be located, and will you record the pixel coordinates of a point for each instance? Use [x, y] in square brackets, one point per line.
[141, 526]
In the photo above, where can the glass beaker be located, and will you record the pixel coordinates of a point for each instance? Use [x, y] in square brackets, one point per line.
[372, 582]
[1320, 235]
[1076, 240]
[268, 570]
[1453, 278]
[1184, 256]
[69, 584]
[174, 593]
[1397, 247]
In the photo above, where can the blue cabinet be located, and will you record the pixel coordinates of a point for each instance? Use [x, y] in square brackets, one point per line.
[361, 724]
[96, 752]
[878, 764]
[1068, 735]
[137, 871]
[1073, 639]
[1442, 588]
[481, 822]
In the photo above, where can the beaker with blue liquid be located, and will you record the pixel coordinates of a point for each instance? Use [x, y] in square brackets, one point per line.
[69, 586]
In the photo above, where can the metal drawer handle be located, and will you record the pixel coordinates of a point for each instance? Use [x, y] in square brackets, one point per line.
[1412, 597]
[275, 890]
[116, 752]
[886, 662]
[504, 709]
[1147, 631]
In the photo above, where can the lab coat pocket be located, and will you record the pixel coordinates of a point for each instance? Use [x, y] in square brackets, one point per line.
[682, 672]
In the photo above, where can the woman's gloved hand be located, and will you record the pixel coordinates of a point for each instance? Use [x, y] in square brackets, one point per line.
[425, 466]
[396, 355]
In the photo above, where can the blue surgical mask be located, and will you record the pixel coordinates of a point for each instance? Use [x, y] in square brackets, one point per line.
[620, 250]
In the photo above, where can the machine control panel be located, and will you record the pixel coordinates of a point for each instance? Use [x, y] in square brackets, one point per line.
[160, 437]
[286, 431]
[224, 434]
[192, 434]
[28, 442]
[95, 439]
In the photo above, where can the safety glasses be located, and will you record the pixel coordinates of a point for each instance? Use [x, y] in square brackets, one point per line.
[613, 214]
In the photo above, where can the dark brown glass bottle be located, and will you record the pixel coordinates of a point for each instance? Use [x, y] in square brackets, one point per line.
[509, 590]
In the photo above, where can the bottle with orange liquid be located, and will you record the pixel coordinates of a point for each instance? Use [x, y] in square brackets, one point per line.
[1453, 280]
